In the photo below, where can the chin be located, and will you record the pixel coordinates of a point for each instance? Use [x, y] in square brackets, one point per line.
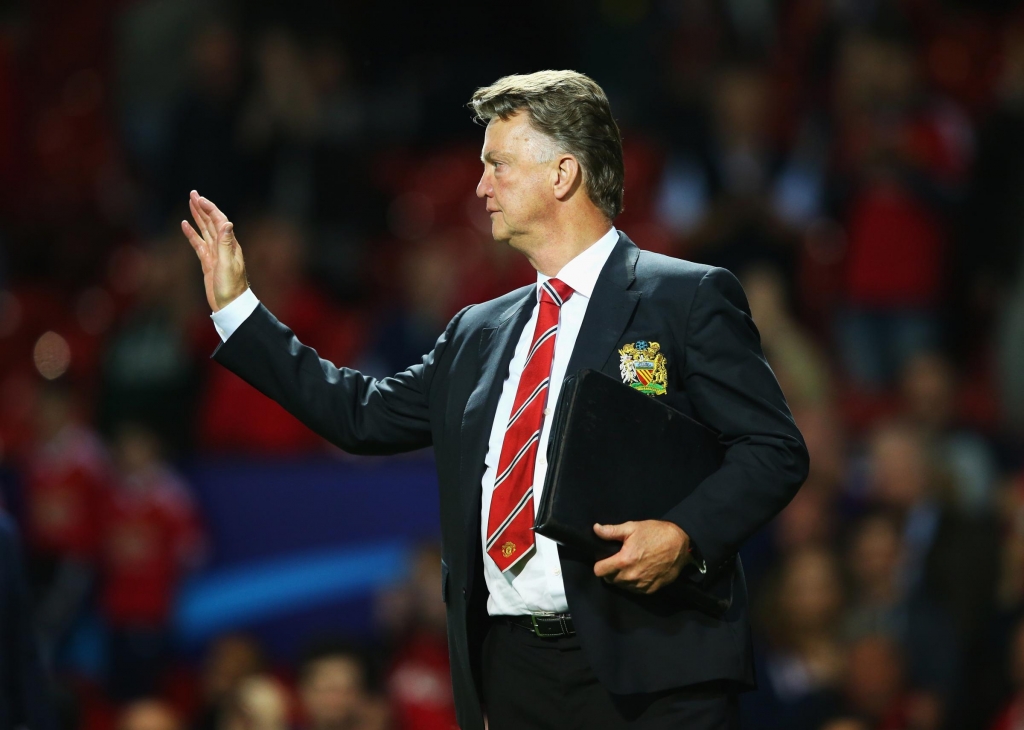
[500, 233]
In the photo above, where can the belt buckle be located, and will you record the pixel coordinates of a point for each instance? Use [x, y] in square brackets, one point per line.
[537, 628]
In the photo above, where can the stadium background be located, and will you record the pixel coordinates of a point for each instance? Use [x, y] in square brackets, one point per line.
[858, 163]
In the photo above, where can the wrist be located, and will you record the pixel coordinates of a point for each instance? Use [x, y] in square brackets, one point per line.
[224, 299]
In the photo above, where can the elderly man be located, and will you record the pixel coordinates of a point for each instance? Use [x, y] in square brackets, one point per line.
[541, 637]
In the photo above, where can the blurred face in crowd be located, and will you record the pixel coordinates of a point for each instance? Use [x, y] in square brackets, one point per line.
[875, 555]
[136, 449]
[826, 443]
[273, 255]
[261, 704]
[810, 596]
[874, 675]
[148, 715]
[741, 105]
[520, 172]
[229, 661]
[929, 389]
[333, 690]
[898, 465]
[805, 522]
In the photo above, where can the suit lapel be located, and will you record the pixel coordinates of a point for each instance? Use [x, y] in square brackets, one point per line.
[609, 311]
[497, 346]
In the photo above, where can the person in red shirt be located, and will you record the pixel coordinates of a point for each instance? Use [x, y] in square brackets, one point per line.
[419, 682]
[152, 535]
[67, 476]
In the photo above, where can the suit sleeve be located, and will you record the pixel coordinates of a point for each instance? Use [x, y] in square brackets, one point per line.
[734, 391]
[358, 413]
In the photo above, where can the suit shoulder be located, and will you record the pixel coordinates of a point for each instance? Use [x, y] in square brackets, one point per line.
[656, 265]
[491, 312]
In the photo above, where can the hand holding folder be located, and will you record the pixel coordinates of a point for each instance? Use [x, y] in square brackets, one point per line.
[616, 455]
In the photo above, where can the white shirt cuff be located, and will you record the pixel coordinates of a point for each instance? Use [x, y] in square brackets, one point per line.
[230, 318]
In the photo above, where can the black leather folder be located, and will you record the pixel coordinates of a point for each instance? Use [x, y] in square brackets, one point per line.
[615, 455]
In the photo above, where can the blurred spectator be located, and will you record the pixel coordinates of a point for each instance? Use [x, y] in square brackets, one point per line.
[798, 363]
[67, 479]
[903, 156]
[802, 660]
[229, 661]
[419, 676]
[236, 418]
[26, 698]
[735, 193]
[929, 390]
[205, 150]
[430, 281]
[148, 715]
[334, 688]
[949, 556]
[880, 606]
[874, 689]
[150, 372]
[151, 537]
[989, 264]
[259, 703]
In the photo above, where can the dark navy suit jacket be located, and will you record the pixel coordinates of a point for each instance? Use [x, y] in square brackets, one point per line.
[717, 373]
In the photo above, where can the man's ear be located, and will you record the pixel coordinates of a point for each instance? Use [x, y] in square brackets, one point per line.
[568, 176]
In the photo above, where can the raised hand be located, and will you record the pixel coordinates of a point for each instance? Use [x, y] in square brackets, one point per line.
[218, 252]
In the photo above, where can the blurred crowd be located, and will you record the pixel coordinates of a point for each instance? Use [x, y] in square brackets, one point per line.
[859, 164]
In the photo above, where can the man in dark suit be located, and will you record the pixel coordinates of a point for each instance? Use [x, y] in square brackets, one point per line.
[540, 637]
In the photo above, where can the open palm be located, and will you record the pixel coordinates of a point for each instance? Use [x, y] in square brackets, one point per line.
[218, 251]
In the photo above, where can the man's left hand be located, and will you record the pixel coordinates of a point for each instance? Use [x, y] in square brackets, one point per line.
[653, 553]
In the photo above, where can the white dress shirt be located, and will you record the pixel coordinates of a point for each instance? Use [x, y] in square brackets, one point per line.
[536, 583]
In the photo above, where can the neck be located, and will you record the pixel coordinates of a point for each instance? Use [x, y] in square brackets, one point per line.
[561, 243]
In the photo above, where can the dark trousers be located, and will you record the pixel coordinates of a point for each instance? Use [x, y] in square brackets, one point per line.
[530, 683]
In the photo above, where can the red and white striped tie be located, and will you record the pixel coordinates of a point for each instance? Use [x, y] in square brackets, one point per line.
[509, 537]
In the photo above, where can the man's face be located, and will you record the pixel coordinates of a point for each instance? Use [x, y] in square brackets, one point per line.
[520, 171]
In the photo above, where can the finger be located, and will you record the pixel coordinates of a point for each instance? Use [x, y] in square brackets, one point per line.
[615, 532]
[608, 566]
[195, 239]
[204, 218]
[200, 218]
[212, 210]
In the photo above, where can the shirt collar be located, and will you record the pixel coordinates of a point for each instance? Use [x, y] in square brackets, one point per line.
[581, 272]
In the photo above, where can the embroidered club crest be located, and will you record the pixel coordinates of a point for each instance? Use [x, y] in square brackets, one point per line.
[644, 367]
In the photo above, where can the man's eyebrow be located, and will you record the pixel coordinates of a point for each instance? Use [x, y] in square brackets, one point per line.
[491, 154]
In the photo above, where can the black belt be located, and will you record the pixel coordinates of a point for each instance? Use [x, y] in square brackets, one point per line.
[544, 625]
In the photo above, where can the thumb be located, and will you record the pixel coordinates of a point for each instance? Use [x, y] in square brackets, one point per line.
[227, 234]
[614, 532]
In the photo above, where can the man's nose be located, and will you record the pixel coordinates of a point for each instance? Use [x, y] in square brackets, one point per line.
[483, 187]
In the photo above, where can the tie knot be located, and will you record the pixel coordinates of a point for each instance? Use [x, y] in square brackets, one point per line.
[556, 291]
